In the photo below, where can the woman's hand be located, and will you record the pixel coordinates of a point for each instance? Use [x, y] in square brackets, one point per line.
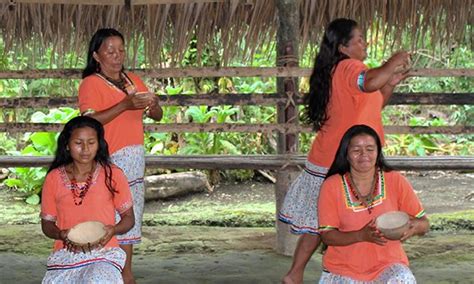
[68, 245]
[154, 110]
[397, 78]
[63, 237]
[385, 77]
[109, 233]
[416, 227]
[400, 62]
[370, 233]
[138, 100]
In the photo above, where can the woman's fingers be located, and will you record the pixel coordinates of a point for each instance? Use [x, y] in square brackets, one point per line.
[109, 233]
[400, 61]
[142, 100]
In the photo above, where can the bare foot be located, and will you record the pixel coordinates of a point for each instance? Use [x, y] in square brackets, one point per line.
[129, 279]
[290, 280]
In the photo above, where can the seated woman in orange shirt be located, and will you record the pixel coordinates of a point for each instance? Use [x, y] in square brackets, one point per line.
[82, 185]
[360, 187]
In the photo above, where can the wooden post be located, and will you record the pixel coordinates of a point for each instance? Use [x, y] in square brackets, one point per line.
[287, 55]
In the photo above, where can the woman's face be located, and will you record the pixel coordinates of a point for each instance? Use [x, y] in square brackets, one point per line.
[111, 55]
[362, 153]
[356, 48]
[83, 145]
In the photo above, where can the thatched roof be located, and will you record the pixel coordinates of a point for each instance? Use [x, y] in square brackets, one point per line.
[231, 24]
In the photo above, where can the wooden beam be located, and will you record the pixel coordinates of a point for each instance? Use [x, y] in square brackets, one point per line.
[269, 162]
[109, 2]
[21, 127]
[432, 72]
[268, 99]
[432, 99]
[71, 2]
[199, 72]
[287, 46]
[450, 130]
[161, 2]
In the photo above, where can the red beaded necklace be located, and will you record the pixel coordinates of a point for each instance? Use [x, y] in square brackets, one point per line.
[367, 199]
[79, 192]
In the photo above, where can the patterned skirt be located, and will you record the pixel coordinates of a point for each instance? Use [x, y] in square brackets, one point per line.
[394, 274]
[99, 266]
[131, 160]
[300, 207]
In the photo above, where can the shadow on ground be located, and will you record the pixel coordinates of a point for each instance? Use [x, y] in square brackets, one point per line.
[199, 254]
[228, 255]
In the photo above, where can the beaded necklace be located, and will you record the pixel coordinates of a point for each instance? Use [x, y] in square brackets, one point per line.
[367, 199]
[79, 191]
[120, 83]
[124, 83]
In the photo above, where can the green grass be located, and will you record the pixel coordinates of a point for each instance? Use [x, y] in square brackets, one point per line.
[454, 221]
[214, 214]
[14, 210]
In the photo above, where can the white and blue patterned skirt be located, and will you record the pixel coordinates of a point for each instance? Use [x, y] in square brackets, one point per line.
[300, 207]
[131, 160]
[97, 267]
[395, 274]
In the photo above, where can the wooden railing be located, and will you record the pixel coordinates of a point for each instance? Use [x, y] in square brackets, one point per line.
[258, 162]
[269, 99]
[200, 72]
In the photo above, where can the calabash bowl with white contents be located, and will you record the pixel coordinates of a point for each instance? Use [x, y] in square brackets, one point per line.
[86, 234]
[393, 224]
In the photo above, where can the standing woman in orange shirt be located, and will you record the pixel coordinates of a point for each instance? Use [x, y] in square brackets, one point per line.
[343, 92]
[118, 99]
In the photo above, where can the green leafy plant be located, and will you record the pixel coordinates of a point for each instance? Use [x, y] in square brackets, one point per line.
[30, 180]
[209, 143]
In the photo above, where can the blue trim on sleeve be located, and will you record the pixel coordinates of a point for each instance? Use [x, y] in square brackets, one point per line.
[361, 80]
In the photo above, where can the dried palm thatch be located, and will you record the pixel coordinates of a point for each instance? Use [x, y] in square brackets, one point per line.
[236, 27]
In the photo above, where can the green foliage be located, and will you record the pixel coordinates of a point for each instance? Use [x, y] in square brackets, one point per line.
[210, 143]
[7, 144]
[240, 143]
[436, 144]
[30, 180]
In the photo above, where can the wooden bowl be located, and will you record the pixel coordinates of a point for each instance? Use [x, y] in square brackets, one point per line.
[87, 234]
[393, 224]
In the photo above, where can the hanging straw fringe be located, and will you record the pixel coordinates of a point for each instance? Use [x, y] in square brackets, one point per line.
[223, 25]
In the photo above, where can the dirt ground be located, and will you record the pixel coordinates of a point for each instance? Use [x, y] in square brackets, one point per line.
[245, 255]
[438, 191]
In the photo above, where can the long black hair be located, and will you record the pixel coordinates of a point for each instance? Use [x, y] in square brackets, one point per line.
[63, 156]
[341, 164]
[338, 32]
[96, 41]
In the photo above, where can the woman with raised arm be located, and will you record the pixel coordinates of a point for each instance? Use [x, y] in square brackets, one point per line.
[343, 92]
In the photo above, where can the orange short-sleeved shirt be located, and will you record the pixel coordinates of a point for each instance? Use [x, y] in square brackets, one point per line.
[347, 106]
[97, 94]
[339, 209]
[57, 203]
